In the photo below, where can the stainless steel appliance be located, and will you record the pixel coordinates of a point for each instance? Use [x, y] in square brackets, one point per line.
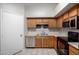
[72, 23]
[73, 36]
[66, 24]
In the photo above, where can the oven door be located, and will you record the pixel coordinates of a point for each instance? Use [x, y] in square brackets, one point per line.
[62, 47]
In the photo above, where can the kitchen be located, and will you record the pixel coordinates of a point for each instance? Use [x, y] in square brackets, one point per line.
[49, 29]
[54, 32]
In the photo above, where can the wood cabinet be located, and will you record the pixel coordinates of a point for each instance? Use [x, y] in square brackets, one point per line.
[45, 21]
[48, 42]
[52, 23]
[78, 9]
[59, 21]
[73, 50]
[66, 16]
[45, 42]
[31, 23]
[73, 11]
[38, 42]
[55, 42]
[38, 21]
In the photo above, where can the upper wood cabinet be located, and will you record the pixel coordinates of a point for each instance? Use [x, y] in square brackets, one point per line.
[52, 23]
[31, 23]
[78, 9]
[38, 21]
[65, 16]
[73, 11]
[59, 21]
[45, 21]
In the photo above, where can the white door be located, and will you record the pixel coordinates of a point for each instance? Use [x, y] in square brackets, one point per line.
[13, 32]
[0, 30]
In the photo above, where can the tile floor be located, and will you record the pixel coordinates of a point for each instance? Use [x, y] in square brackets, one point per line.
[38, 51]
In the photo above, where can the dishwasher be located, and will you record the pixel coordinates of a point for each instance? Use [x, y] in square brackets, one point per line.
[29, 41]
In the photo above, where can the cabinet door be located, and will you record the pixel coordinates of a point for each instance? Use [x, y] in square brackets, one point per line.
[78, 9]
[45, 42]
[73, 11]
[55, 42]
[38, 42]
[52, 23]
[31, 23]
[60, 21]
[28, 23]
[38, 21]
[45, 21]
[48, 42]
[65, 16]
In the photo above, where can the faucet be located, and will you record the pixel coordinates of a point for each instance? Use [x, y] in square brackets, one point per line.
[43, 33]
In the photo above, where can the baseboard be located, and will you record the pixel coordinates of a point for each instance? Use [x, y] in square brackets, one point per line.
[17, 52]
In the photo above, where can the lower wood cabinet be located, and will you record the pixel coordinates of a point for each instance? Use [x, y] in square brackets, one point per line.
[73, 50]
[45, 42]
[48, 42]
[55, 42]
[38, 42]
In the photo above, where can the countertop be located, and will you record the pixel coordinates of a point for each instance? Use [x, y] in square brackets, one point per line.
[50, 35]
[74, 44]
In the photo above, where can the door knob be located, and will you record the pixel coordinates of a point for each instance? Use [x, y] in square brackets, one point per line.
[21, 35]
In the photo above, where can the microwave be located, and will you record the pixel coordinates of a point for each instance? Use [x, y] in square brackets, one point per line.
[73, 36]
[72, 22]
[66, 24]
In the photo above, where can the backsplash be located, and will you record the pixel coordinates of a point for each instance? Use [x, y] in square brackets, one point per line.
[48, 31]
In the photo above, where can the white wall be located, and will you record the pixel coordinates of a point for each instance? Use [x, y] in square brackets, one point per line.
[46, 9]
[0, 29]
[12, 28]
[39, 9]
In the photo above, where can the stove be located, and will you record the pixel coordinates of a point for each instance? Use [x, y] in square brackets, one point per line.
[62, 46]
